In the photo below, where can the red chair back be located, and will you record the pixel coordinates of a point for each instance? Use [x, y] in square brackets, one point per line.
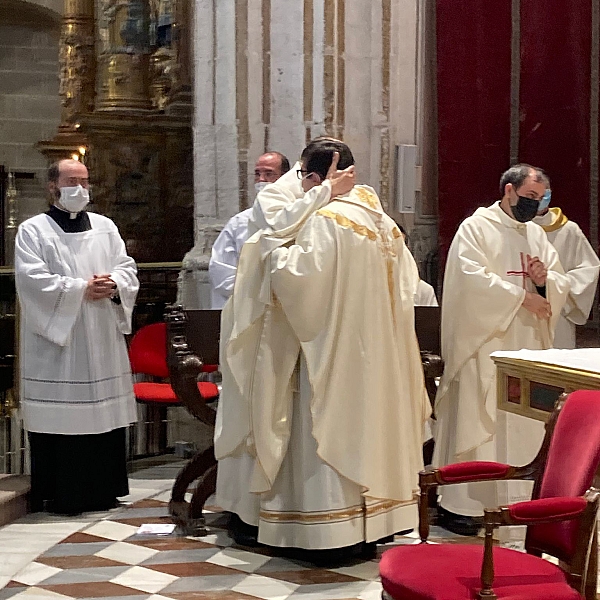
[148, 351]
[573, 459]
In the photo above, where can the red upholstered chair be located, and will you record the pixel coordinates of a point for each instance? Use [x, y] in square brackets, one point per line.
[561, 520]
[148, 357]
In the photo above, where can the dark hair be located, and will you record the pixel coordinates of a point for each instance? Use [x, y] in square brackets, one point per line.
[316, 142]
[517, 175]
[406, 238]
[54, 171]
[285, 163]
[317, 159]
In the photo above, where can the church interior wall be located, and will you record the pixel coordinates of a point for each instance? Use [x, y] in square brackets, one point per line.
[29, 101]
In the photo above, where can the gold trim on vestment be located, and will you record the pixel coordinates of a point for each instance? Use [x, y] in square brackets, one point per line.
[366, 197]
[559, 220]
[396, 233]
[343, 514]
[346, 222]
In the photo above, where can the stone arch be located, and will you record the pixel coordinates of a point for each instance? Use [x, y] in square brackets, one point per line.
[45, 14]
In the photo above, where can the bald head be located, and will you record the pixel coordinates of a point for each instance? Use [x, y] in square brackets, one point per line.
[270, 167]
[66, 173]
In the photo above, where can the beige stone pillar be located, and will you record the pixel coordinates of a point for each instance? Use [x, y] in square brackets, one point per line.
[272, 74]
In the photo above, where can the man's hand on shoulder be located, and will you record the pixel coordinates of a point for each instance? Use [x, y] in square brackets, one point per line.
[537, 305]
[99, 287]
[343, 181]
[537, 271]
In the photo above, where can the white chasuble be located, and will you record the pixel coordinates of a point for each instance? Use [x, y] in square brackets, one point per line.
[333, 458]
[581, 265]
[75, 374]
[484, 286]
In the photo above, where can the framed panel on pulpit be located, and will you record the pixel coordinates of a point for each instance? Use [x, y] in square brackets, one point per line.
[531, 388]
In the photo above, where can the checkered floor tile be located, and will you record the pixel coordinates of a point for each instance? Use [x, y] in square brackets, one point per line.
[103, 556]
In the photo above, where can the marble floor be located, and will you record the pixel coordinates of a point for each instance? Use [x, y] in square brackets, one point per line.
[102, 555]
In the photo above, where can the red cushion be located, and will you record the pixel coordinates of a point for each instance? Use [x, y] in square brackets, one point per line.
[162, 393]
[476, 470]
[148, 350]
[208, 390]
[533, 510]
[210, 368]
[156, 393]
[453, 572]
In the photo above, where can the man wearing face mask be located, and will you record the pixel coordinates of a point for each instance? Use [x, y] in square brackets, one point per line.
[225, 254]
[581, 264]
[77, 289]
[504, 289]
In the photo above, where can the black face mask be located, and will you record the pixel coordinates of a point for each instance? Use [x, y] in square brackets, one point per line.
[525, 209]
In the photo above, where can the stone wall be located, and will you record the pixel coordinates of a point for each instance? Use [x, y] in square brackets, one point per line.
[272, 74]
[29, 101]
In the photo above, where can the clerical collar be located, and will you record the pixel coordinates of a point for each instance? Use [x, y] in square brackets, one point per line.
[80, 223]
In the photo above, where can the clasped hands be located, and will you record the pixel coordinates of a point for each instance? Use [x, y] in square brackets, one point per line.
[342, 181]
[99, 287]
[533, 302]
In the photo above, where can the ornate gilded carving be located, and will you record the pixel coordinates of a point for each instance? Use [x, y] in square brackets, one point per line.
[77, 79]
[11, 203]
[77, 61]
[162, 74]
[123, 61]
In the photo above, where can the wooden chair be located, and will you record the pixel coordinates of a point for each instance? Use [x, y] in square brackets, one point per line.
[427, 327]
[561, 520]
[193, 341]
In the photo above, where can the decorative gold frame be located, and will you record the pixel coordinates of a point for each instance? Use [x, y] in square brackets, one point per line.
[565, 378]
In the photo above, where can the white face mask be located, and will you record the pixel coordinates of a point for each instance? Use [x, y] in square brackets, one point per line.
[74, 199]
[259, 186]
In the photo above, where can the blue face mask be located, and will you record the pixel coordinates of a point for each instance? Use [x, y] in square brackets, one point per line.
[545, 201]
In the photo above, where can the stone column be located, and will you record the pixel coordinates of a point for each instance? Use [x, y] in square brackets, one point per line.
[272, 74]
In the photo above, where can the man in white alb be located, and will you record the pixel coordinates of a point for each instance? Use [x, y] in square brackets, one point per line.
[581, 265]
[329, 454]
[226, 250]
[504, 289]
[76, 288]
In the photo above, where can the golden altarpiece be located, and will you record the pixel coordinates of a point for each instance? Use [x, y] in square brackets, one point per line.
[125, 87]
[126, 112]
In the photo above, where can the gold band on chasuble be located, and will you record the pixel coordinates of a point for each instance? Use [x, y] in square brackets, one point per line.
[334, 516]
[346, 222]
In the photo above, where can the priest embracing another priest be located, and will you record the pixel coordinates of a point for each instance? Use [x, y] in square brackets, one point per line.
[320, 424]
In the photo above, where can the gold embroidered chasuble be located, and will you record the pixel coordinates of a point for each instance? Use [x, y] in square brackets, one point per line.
[343, 294]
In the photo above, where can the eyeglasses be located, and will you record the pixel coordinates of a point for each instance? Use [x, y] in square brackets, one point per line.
[301, 173]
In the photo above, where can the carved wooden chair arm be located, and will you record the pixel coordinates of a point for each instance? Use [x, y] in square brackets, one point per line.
[433, 364]
[466, 472]
[533, 512]
[184, 380]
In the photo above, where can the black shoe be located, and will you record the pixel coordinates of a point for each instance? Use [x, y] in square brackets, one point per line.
[459, 524]
[242, 533]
